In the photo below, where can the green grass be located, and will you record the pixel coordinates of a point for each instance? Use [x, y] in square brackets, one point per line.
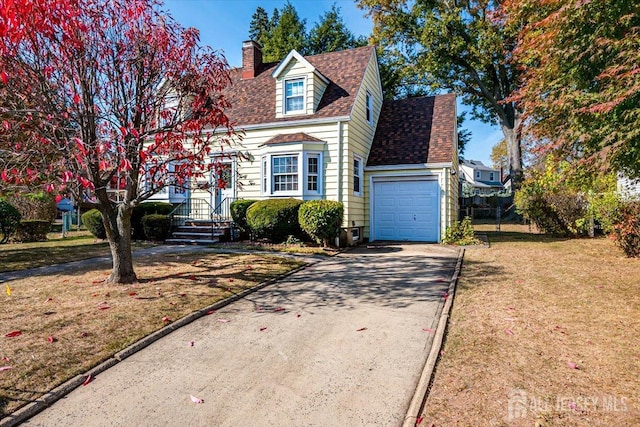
[76, 246]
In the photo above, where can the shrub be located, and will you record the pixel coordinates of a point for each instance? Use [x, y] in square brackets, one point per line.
[39, 205]
[274, 219]
[145, 209]
[239, 213]
[9, 220]
[626, 229]
[460, 233]
[32, 230]
[156, 226]
[321, 219]
[93, 221]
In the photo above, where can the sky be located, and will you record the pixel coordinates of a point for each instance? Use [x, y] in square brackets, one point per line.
[224, 25]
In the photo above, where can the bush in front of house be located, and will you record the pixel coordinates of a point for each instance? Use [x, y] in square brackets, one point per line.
[32, 230]
[156, 227]
[321, 219]
[92, 219]
[239, 214]
[40, 205]
[626, 228]
[144, 209]
[9, 220]
[274, 219]
[460, 233]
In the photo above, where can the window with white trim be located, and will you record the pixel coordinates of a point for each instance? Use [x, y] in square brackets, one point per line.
[312, 172]
[295, 174]
[294, 96]
[477, 174]
[491, 176]
[369, 107]
[284, 170]
[357, 175]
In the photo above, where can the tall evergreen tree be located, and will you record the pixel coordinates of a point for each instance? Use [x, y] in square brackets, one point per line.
[260, 25]
[288, 33]
[331, 34]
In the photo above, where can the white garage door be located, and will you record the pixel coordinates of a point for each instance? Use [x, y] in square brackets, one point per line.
[406, 210]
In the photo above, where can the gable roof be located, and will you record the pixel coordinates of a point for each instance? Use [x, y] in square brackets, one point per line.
[294, 54]
[477, 165]
[253, 101]
[415, 131]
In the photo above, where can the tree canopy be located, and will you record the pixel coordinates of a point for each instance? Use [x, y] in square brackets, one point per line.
[460, 46]
[581, 78]
[121, 90]
[284, 31]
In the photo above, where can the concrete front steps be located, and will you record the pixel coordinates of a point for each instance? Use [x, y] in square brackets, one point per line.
[201, 232]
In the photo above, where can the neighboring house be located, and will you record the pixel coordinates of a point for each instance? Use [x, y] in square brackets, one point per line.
[628, 188]
[478, 180]
[316, 127]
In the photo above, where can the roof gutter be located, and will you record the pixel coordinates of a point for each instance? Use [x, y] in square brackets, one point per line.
[284, 124]
[409, 167]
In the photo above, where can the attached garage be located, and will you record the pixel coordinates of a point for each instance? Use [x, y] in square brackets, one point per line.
[406, 210]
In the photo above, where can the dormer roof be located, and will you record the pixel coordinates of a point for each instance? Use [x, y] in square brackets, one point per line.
[294, 55]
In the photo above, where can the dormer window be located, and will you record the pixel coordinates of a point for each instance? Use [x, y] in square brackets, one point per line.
[294, 96]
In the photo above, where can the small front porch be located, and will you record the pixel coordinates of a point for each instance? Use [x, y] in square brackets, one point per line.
[197, 221]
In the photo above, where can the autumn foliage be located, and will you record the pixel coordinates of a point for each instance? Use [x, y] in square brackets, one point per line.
[95, 92]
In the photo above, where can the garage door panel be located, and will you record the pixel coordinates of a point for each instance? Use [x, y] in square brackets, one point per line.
[406, 210]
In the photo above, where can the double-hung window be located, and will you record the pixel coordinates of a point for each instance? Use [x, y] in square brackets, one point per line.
[294, 96]
[357, 176]
[312, 172]
[285, 173]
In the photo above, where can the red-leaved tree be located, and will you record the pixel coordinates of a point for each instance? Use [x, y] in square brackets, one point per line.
[96, 89]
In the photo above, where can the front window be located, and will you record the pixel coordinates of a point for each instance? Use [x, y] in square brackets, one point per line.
[491, 176]
[285, 173]
[294, 95]
[357, 175]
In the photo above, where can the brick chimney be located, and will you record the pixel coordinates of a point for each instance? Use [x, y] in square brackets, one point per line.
[251, 59]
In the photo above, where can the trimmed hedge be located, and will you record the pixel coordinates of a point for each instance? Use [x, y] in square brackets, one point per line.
[9, 220]
[321, 219]
[156, 226]
[144, 209]
[32, 230]
[239, 213]
[92, 219]
[274, 219]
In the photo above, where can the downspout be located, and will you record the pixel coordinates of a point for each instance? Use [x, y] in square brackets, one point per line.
[340, 147]
[339, 183]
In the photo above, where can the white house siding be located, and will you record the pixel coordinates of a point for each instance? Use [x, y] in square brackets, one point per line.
[318, 90]
[358, 138]
[249, 171]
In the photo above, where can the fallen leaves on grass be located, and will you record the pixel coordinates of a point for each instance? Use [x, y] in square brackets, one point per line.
[13, 334]
[572, 365]
[5, 368]
[508, 331]
[51, 339]
[166, 319]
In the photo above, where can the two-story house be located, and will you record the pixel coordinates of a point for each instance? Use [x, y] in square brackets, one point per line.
[317, 127]
[478, 180]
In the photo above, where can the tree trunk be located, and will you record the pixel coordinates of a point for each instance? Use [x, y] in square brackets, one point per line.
[117, 223]
[511, 125]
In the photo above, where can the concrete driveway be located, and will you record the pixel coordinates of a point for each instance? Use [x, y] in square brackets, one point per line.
[340, 343]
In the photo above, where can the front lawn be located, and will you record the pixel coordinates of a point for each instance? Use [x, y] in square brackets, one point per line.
[543, 332]
[77, 246]
[70, 322]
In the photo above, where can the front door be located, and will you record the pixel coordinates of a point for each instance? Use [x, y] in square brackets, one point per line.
[222, 185]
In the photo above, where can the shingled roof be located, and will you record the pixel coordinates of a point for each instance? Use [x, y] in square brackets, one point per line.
[415, 131]
[291, 138]
[253, 101]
